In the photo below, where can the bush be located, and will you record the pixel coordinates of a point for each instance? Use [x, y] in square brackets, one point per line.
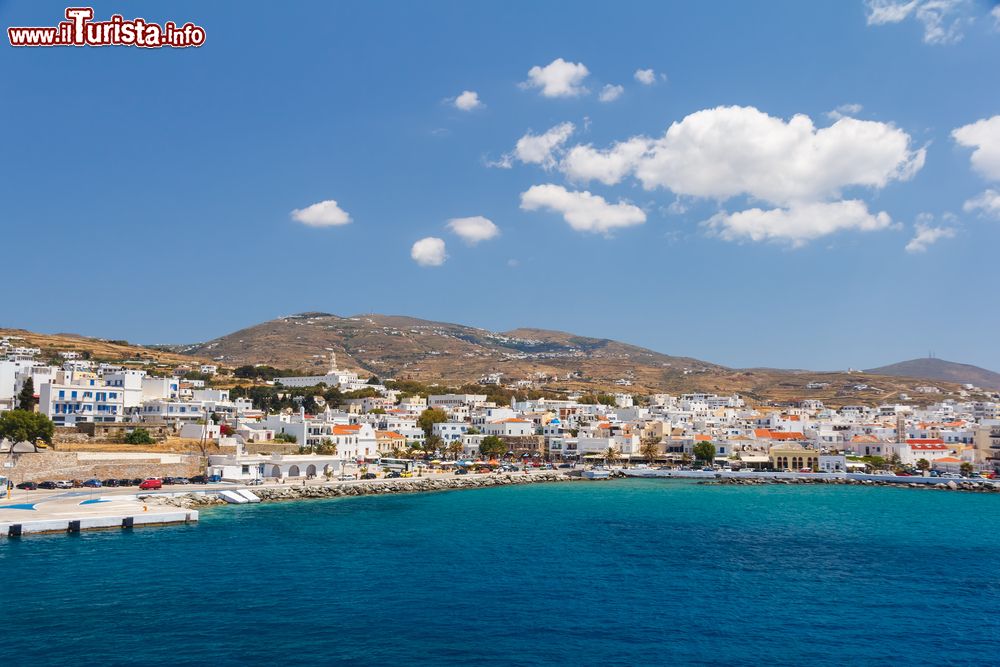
[139, 436]
[285, 437]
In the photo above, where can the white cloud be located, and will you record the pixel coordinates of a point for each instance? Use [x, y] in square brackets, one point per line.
[729, 151]
[646, 77]
[987, 203]
[984, 136]
[995, 13]
[844, 110]
[881, 12]
[322, 214]
[583, 211]
[798, 224]
[474, 229]
[558, 79]
[538, 148]
[942, 19]
[927, 235]
[429, 251]
[610, 93]
[585, 163]
[468, 101]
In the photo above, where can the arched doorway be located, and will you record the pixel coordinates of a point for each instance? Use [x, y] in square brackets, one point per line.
[311, 471]
[276, 472]
[294, 471]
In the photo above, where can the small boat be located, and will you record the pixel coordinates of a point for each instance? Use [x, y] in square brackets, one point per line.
[596, 474]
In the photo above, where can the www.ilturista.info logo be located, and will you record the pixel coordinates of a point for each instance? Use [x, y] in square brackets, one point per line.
[80, 30]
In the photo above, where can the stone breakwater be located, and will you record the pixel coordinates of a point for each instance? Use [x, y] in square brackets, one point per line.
[373, 488]
[949, 485]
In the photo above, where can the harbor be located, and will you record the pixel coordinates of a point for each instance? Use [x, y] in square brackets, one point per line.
[33, 512]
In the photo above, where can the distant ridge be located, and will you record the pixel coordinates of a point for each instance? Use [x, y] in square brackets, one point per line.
[931, 368]
[450, 354]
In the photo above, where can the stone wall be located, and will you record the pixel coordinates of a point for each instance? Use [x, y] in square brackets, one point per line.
[51, 465]
[116, 431]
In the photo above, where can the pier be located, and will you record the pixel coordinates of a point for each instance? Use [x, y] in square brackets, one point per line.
[77, 511]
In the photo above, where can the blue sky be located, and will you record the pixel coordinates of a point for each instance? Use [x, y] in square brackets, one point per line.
[149, 194]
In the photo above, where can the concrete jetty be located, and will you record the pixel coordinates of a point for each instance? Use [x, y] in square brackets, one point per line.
[74, 512]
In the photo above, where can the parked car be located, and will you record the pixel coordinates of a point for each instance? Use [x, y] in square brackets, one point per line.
[805, 470]
[111, 482]
[181, 480]
[150, 484]
[199, 479]
[27, 486]
[168, 480]
[565, 465]
[346, 478]
[255, 482]
[369, 475]
[93, 484]
[392, 475]
[64, 484]
[46, 485]
[461, 471]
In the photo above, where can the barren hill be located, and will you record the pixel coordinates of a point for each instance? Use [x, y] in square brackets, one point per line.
[453, 354]
[940, 370]
[97, 349]
[406, 347]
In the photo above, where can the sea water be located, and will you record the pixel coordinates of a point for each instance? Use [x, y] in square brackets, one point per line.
[626, 572]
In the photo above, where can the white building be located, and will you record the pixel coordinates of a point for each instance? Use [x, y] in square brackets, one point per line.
[450, 431]
[68, 401]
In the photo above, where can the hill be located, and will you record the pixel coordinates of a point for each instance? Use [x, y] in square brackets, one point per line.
[453, 354]
[96, 349]
[411, 348]
[944, 371]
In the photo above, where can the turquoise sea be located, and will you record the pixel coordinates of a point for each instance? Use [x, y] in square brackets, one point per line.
[613, 573]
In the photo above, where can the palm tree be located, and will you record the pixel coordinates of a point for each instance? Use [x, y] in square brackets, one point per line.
[455, 449]
[612, 456]
[650, 449]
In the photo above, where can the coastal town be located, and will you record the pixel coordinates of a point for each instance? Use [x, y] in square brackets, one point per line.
[121, 424]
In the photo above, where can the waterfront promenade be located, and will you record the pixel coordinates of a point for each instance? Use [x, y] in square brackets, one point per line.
[59, 511]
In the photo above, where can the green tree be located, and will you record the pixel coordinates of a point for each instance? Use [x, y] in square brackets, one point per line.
[20, 425]
[492, 446]
[455, 449]
[704, 451]
[139, 436]
[429, 417]
[432, 444]
[965, 469]
[650, 449]
[26, 399]
[612, 456]
[923, 464]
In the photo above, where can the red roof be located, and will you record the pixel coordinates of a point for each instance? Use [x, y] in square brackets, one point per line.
[925, 441]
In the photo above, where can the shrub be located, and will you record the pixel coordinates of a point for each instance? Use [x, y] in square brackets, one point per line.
[139, 436]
